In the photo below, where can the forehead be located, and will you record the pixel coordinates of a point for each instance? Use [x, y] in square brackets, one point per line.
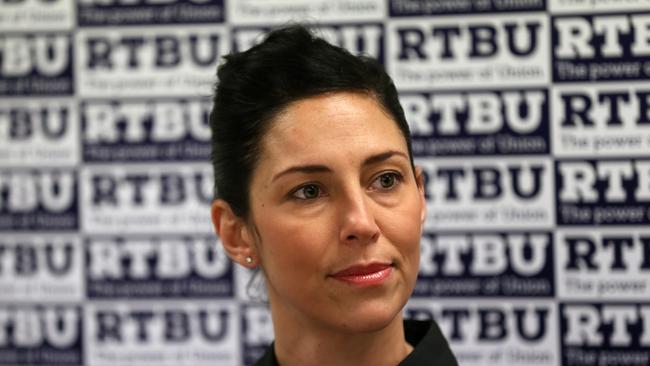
[325, 124]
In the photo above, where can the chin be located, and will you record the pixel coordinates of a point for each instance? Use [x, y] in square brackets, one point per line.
[371, 318]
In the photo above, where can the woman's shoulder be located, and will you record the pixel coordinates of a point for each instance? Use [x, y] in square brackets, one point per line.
[429, 345]
[268, 359]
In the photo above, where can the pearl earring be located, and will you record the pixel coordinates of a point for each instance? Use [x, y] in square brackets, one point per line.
[249, 259]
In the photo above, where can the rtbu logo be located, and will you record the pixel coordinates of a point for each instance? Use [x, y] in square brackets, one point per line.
[486, 193]
[608, 263]
[40, 335]
[492, 322]
[470, 51]
[147, 198]
[605, 333]
[36, 64]
[197, 332]
[628, 253]
[134, 130]
[511, 333]
[149, 61]
[483, 41]
[486, 122]
[482, 264]
[483, 182]
[160, 325]
[578, 108]
[603, 192]
[367, 39]
[117, 188]
[150, 267]
[601, 47]
[38, 200]
[601, 118]
[134, 52]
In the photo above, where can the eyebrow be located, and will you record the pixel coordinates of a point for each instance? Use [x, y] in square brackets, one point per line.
[316, 168]
[378, 158]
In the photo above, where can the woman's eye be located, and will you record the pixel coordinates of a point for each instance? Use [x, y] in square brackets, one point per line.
[386, 181]
[307, 192]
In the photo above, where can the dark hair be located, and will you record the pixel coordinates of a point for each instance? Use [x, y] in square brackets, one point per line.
[255, 85]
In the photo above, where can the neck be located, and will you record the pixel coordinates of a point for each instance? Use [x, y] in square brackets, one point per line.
[299, 343]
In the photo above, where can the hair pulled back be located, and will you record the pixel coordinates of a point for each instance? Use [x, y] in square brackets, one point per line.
[254, 86]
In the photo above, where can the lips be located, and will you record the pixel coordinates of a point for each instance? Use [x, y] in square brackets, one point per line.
[365, 274]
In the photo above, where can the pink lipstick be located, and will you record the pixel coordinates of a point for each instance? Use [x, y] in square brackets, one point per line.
[364, 275]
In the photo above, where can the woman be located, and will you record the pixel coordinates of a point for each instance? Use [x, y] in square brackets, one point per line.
[316, 187]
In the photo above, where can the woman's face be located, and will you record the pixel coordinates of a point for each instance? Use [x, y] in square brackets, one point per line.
[338, 213]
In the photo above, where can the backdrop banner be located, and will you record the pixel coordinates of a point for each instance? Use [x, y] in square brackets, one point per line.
[529, 118]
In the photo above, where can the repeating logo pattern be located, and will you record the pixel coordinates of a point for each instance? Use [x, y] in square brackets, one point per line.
[529, 118]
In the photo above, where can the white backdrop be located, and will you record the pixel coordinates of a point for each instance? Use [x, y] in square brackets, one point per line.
[531, 120]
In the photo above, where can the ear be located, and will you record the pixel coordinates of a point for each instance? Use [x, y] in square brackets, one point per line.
[419, 180]
[235, 235]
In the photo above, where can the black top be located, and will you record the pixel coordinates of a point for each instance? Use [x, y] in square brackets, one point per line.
[429, 347]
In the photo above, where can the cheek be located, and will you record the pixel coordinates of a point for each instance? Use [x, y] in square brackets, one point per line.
[410, 251]
[409, 245]
[404, 228]
[291, 245]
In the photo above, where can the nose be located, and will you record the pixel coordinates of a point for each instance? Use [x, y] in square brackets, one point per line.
[358, 223]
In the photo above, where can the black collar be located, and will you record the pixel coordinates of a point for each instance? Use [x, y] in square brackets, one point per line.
[429, 347]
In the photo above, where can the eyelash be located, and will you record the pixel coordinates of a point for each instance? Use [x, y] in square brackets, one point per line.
[294, 196]
[398, 179]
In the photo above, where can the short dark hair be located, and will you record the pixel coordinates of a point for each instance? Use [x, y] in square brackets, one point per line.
[254, 86]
